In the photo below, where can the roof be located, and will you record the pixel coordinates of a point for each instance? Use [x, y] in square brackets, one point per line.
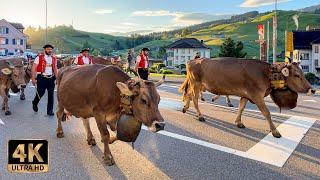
[17, 25]
[187, 43]
[304, 39]
[317, 41]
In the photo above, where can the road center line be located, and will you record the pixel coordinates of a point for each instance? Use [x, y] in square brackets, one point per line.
[1, 122]
[270, 150]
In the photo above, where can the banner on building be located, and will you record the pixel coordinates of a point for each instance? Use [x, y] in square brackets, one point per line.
[261, 32]
[289, 42]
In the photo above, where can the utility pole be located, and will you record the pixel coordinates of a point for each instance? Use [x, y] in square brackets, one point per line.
[46, 39]
[275, 26]
[268, 40]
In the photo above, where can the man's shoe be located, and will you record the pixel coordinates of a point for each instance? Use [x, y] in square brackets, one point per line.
[50, 113]
[34, 107]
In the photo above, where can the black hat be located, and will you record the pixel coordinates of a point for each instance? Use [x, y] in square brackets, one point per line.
[85, 49]
[48, 46]
[145, 49]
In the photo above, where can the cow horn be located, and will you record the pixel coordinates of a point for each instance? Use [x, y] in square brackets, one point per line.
[160, 81]
[6, 71]
[285, 72]
[10, 64]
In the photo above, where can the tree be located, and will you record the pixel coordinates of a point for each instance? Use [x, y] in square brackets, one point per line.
[165, 35]
[317, 11]
[161, 53]
[185, 32]
[227, 49]
[231, 49]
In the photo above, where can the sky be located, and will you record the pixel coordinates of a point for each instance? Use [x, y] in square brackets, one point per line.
[119, 16]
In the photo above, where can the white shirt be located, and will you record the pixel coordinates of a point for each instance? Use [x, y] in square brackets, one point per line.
[48, 69]
[139, 59]
[85, 59]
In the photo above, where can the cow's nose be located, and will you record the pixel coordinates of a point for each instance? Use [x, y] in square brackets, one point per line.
[313, 91]
[159, 126]
[23, 86]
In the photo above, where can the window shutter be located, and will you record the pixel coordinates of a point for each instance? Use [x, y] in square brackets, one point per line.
[13, 41]
[7, 41]
[21, 41]
[7, 30]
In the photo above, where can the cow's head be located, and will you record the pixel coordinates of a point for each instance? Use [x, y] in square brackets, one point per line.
[145, 101]
[296, 80]
[16, 73]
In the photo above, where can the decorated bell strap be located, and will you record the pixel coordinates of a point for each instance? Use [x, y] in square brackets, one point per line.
[277, 76]
[126, 104]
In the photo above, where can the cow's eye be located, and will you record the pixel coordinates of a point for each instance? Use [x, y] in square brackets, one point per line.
[296, 75]
[144, 101]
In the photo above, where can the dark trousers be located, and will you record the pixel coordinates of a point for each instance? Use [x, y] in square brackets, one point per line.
[143, 73]
[44, 84]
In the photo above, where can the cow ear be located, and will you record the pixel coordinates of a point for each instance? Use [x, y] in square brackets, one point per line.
[124, 89]
[6, 71]
[285, 72]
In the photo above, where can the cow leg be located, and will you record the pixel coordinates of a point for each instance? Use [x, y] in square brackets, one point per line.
[22, 95]
[59, 113]
[266, 113]
[195, 99]
[201, 96]
[242, 105]
[4, 93]
[228, 101]
[105, 137]
[90, 139]
[187, 105]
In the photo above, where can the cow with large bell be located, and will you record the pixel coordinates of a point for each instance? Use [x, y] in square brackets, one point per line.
[252, 80]
[109, 95]
[12, 74]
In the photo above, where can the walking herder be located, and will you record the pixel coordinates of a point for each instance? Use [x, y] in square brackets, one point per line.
[44, 73]
[84, 58]
[142, 64]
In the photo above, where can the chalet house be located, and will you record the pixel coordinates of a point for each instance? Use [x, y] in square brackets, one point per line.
[12, 39]
[183, 50]
[306, 50]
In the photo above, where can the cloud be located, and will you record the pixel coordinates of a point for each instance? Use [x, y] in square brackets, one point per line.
[258, 3]
[103, 11]
[182, 18]
[129, 24]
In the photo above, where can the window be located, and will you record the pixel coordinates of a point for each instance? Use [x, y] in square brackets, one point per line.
[316, 63]
[189, 51]
[183, 51]
[183, 58]
[189, 57]
[21, 41]
[305, 68]
[13, 41]
[4, 30]
[304, 56]
[4, 41]
[177, 58]
[176, 50]
[316, 49]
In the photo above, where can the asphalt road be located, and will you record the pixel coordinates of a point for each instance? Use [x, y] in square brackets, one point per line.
[168, 155]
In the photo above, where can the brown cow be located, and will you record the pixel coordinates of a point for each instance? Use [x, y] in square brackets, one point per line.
[98, 96]
[115, 61]
[248, 79]
[12, 72]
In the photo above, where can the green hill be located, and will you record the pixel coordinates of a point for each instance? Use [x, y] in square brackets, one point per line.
[246, 31]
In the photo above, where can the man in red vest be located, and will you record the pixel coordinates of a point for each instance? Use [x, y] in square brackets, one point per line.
[84, 58]
[44, 73]
[142, 64]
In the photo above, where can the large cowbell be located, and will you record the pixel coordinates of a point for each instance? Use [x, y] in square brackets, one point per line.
[128, 128]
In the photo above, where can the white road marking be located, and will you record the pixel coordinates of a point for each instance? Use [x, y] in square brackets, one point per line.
[13, 94]
[1, 122]
[310, 100]
[270, 150]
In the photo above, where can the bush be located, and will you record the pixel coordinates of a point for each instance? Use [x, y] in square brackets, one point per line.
[165, 71]
[152, 71]
[312, 78]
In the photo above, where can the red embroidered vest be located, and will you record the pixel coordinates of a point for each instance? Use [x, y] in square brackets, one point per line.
[42, 63]
[80, 60]
[143, 60]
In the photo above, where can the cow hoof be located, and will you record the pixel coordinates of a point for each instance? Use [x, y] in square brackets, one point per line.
[201, 119]
[212, 100]
[184, 110]
[276, 134]
[230, 105]
[22, 98]
[108, 160]
[7, 113]
[91, 142]
[202, 99]
[60, 135]
[240, 125]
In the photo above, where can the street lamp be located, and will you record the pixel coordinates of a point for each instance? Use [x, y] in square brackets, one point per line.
[275, 24]
[46, 38]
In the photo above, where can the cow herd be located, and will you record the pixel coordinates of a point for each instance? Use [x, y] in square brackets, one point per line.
[104, 91]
